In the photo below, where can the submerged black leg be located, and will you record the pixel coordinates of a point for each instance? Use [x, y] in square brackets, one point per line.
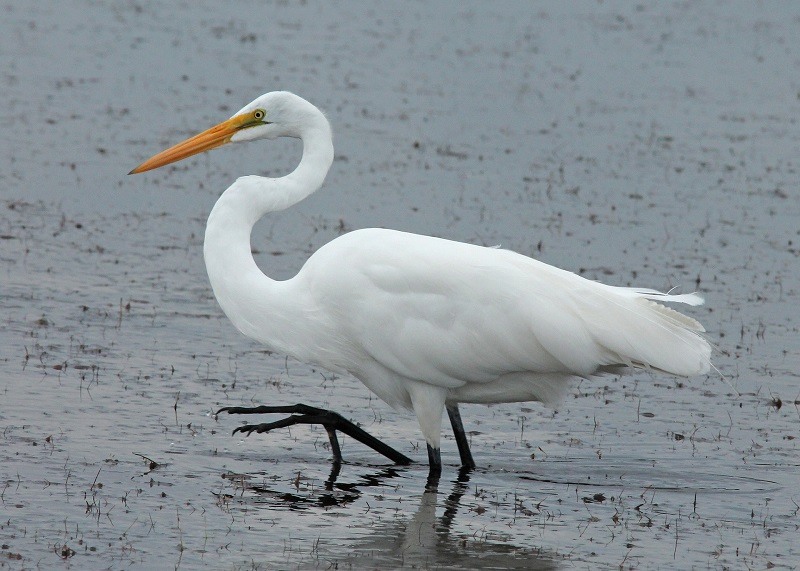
[335, 469]
[332, 421]
[435, 468]
[461, 437]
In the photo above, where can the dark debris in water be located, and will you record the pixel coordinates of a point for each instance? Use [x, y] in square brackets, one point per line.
[576, 156]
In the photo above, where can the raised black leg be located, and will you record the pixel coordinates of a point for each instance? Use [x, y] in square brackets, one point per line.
[461, 437]
[332, 421]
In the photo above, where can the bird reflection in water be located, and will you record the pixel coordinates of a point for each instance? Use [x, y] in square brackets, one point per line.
[423, 539]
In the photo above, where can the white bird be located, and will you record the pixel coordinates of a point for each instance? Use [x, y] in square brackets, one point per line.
[425, 323]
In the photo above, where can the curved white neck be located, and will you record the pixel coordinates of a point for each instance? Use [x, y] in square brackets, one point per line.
[258, 306]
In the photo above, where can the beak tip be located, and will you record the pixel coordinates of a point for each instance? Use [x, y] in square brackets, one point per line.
[209, 139]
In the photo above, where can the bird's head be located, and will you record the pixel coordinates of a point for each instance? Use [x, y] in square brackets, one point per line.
[274, 114]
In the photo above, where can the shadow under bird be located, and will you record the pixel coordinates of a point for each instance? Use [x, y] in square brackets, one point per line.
[425, 323]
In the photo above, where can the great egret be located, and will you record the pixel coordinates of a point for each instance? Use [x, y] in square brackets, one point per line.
[425, 323]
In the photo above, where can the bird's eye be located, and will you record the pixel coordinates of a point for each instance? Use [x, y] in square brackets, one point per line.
[259, 114]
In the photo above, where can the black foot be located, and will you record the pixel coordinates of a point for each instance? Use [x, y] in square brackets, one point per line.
[304, 414]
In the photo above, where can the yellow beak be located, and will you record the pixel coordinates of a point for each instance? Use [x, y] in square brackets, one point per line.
[212, 138]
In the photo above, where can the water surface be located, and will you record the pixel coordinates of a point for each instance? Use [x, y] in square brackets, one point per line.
[650, 144]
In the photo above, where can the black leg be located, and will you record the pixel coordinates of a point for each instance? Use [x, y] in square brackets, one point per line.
[332, 421]
[335, 469]
[461, 437]
[435, 468]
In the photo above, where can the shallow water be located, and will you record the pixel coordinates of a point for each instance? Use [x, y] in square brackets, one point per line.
[653, 145]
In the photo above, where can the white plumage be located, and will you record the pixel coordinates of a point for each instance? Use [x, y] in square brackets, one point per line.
[423, 322]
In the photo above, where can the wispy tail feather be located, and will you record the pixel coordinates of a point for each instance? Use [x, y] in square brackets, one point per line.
[646, 333]
[688, 298]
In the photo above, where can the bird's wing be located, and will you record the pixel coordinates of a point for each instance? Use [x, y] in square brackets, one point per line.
[451, 313]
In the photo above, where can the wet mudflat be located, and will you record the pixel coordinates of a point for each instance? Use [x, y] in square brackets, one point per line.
[648, 145]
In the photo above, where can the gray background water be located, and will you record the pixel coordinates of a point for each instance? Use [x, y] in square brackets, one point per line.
[651, 143]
